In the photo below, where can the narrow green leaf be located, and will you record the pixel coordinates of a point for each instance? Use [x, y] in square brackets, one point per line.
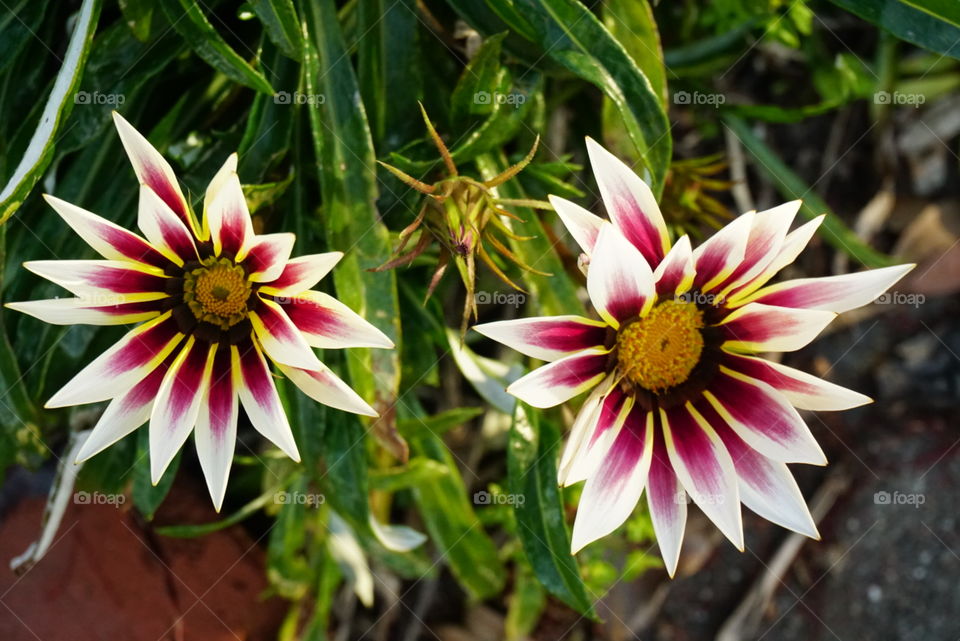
[40, 149]
[438, 423]
[532, 474]
[147, 497]
[931, 24]
[138, 15]
[279, 18]
[193, 531]
[631, 22]
[188, 19]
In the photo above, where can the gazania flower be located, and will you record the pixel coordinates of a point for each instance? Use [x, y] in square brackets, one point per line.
[681, 405]
[215, 302]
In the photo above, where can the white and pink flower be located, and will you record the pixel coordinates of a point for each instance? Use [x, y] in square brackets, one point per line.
[215, 302]
[680, 405]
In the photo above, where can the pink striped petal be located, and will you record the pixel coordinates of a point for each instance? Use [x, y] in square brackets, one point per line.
[547, 337]
[164, 229]
[124, 414]
[561, 380]
[107, 239]
[620, 282]
[702, 464]
[122, 366]
[327, 323]
[720, 255]
[177, 406]
[630, 204]
[268, 256]
[326, 387]
[228, 219]
[601, 429]
[302, 273]
[258, 394]
[152, 170]
[583, 425]
[77, 311]
[103, 282]
[226, 170]
[763, 418]
[281, 339]
[803, 390]
[832, 293]
[764, 328]
[216, 433]
[582, 225]
[792, 245]
[767, 233]
[614, 489]
[767, 487]
[675, 274]
[667, 502]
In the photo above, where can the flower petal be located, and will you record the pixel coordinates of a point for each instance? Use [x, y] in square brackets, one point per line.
[329, 324]
[561, 380]
[719, 256]
[280, 338]
[792, 245]
[107, 239]
[620, 282]
[302, 273]
[803, 390]
[258, 394]
[667, 502]
[268, 256]
[766, 237]
[703, 465]
[613, 490]
[832, 293]
[629, 203]
[103, 282]
[763, 328]
[177, 406]
[547, 337]
[763, 418]
[152, 170]
[675, 274]
[583, 425]
[164, 229]
[77, 311]
[326, 387]
[582, 225]
[767, 487]
[603, 428]
[124, 414]
[228, 218]
[122, 366]
[228, 168]
[216, 433]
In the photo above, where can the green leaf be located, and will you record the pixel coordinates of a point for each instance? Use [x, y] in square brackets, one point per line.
[344, 152]
[201, 529]
[417, 471]
[19, 24]
[138, 15]
[40, 149]
[188, 19]
[931, 24]
[525, 605]
[438, 423]
[279, 18]
[632, 23]
[576, 39]
[532, 474]
[480, 75]
[147, 497]
[791, 186]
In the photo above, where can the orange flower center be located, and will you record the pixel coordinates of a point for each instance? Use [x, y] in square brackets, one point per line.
[660, 350]
[217, 292]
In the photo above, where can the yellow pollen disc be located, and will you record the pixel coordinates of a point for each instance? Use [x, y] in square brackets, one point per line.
[660, 350]
[217, 292]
